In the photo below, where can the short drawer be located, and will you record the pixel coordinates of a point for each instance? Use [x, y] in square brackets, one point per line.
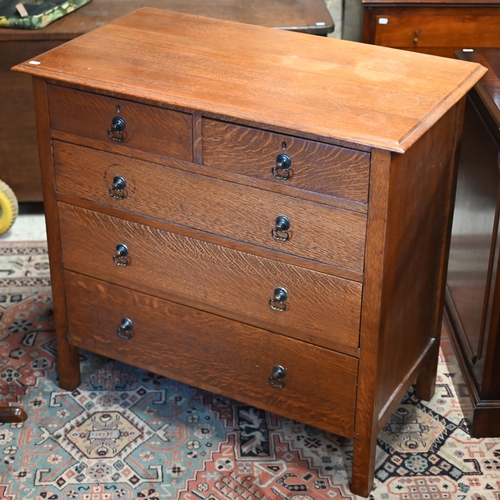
[421, 27]
[318, 308]
[278, 158]
[213, 353]
[318, 232]
[151, 129]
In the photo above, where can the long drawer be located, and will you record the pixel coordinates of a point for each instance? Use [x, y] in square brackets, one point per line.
[213, 353]
[318, 308]
[420, 27]
[156, 130]
[316, 232]
[286, 160]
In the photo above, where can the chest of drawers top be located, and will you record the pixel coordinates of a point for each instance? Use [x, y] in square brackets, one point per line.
[328, 89]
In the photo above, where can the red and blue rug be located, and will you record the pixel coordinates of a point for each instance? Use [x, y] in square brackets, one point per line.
[126, 434]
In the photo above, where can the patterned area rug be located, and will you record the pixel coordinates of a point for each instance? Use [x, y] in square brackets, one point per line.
[131, 435]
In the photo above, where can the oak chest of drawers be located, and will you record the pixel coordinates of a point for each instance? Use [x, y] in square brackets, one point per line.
[268, 221]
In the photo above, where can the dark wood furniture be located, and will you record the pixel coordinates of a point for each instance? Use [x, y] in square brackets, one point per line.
[268, 221]
[19, 164]
[473, 287]
[438, 27]
[12, 413]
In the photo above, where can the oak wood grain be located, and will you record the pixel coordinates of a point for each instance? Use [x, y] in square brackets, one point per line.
[317, 232]
[372, 344]
[320, 309]
[296, 83]
[215, 239]
[160, 131]
[424, 213]
[68, 365]
[315, 166]
[281, 187]
[214, 353]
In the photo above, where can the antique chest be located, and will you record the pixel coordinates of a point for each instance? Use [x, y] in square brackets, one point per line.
[437, 27]
[262, 214]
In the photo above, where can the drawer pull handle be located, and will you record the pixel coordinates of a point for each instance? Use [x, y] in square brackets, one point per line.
[282, 170]
[117, 189]
[281, 227]
[118, 125]
[125, 329]
[121, 258]
[278, 302]
[277, 376]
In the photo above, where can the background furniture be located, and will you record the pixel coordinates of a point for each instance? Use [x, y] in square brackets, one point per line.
[269, 221]
[19, 164]
[432, 26]
[473, 287]
[12, 413]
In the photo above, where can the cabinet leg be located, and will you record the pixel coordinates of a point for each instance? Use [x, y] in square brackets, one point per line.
[363, 465]
[68, 358]
[426, 380]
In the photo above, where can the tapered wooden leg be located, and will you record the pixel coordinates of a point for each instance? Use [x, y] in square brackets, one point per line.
[68, 359]
[363, 464]
[426, 380]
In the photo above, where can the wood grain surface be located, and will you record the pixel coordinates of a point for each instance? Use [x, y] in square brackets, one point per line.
[317, 232]
[278, 79]
[147, 128]
[315, 166]
[214, 353]
[321, 309]
[68, 366]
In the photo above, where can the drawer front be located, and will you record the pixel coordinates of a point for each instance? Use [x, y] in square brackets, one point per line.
[318, 232]
[147, 128]
[438, 27]
[213, 353]
[319, 308]
[314, 166]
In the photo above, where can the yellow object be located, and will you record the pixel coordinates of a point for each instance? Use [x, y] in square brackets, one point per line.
[8, 207]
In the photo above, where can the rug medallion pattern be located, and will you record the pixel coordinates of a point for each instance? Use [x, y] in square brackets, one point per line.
[132, 435]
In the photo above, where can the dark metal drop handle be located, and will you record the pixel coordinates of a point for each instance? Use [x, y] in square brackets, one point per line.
[117, 189]
[282, 170]
[118, 125]
[278, 302]
[125, 329]
[281, 227]
[277, 376]
[121, 257]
